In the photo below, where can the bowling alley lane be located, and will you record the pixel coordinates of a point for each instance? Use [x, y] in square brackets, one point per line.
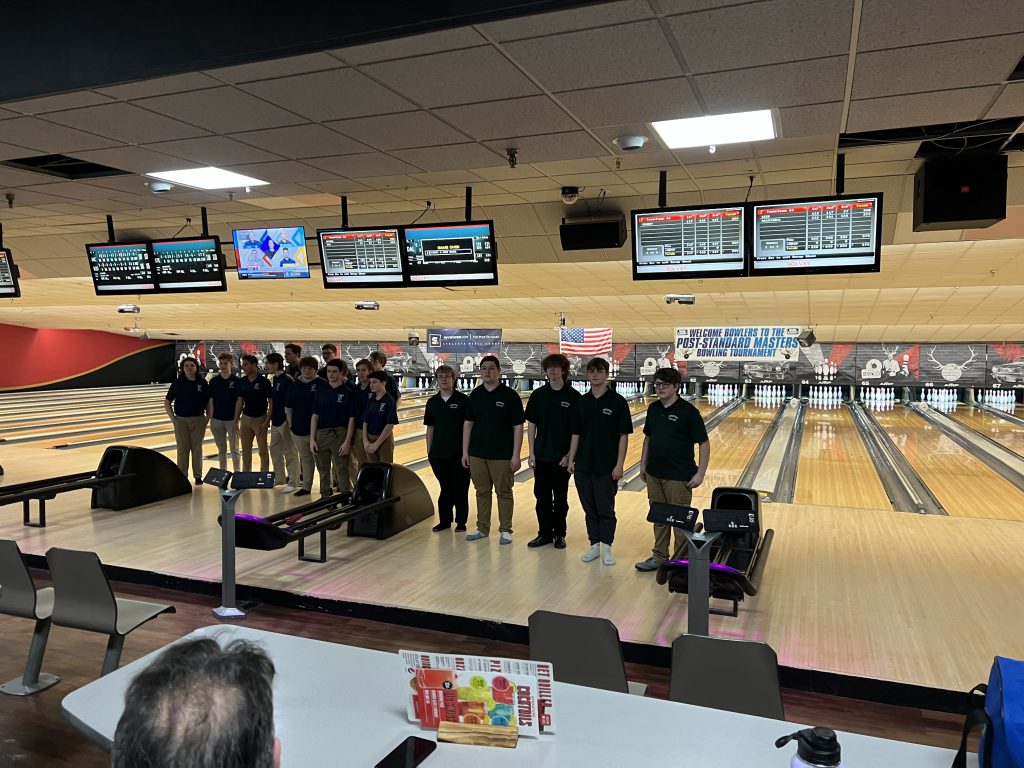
[1004, 432]
[835, 469]
[734, 441]
[963, 485]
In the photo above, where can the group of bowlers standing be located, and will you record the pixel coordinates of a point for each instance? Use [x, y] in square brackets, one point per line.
[478, 438]
[326, 419]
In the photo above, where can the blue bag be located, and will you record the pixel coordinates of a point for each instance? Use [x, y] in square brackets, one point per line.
[1001, 716]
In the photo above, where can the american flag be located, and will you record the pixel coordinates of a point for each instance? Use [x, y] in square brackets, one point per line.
[586, 342]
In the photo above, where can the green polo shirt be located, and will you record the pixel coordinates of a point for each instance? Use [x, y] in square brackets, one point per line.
[447, 419]
[599, 421]
[550, 410]
[671, 434]
[494, 415]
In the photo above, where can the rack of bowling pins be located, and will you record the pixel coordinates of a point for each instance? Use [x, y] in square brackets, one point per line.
[720, 394]
[945, 400]
[769, 394]
[878, 398]
[1000, 399]
[825, 398]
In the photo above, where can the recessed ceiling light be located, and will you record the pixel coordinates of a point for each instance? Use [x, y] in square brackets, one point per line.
[208, 178]
[716, 129]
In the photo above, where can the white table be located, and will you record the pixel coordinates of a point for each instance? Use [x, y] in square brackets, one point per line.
[340, 705]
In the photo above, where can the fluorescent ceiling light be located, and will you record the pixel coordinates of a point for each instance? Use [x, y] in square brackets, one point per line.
[716, 129]
[207, 178]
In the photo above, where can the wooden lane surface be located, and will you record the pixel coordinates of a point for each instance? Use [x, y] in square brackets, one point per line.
[834, 465]
[1004, 432]
[963, 485]
[70, 395]
[937, 622]
[43, 419]
[64, 407]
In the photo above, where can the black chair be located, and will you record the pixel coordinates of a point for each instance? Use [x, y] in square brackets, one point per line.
[19, 597]
[735, 675]
[582, 649]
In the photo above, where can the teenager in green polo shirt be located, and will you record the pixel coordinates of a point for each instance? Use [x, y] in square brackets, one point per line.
[672, 428]
[492, 439]
[601, 426]
[444, 416]
[549, 413]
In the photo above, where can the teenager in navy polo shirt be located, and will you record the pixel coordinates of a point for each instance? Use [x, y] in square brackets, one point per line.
[379, 419]
[283, 455]
[188, 408]
[332, 427]
[298, 410]
[223, 398]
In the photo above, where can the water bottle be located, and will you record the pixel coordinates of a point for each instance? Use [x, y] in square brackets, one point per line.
[816, 748]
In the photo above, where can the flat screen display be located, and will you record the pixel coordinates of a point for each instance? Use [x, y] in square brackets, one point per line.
[689, 242]
[451, 254]
[814, 236]
[361, 257]
[271, 253]
[121, 268]
[8, 279]
[187, 265]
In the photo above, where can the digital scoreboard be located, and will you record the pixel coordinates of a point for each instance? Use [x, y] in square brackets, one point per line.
[189, 265]
[8, 276]
[451, 254]
[689, 242]
[121, 268]
[361, 257]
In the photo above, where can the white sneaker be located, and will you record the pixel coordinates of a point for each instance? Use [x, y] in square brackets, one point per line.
[592, 554]
[606, 555]
[505, 538]
[288, 488]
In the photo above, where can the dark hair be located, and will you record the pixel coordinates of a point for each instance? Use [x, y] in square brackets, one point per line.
[181, 365]
[365, 363]
[250, 359]
[308, 362]
[295, 349]
[276, 358]
[668, 375]
[226, 356]
[557, 361]
[329, 346]
[598, 364]
[338, 363]
[490, 359]
[378, 357]
[379, 376]
[202, 706]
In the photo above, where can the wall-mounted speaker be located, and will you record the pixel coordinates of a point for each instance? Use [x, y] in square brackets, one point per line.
[591, 233]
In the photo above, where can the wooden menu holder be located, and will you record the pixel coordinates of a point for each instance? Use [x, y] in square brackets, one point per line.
[479, 735]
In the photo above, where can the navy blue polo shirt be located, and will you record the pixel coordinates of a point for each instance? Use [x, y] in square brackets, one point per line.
[255, 395]
[224, 393]
[280, 385]
[377, 414]
[300, 398]
[362, 398]
[190, 398]
[334, 406]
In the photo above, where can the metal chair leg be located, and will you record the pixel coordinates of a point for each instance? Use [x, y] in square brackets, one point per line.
[32, 680]
[112, 658]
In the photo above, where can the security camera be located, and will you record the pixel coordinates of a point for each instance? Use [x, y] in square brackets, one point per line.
[570, 195]
[159, 187]
[630, 143]
[129, 309]
[680, 298]
[369, 305]
[414, 339]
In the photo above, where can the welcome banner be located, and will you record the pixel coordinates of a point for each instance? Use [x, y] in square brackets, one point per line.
[744, 343]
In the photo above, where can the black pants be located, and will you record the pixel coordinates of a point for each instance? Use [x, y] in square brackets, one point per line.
[597, 495]
[551, 489]
[454, 481]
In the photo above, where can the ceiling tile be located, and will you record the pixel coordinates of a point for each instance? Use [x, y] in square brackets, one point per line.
[364, 164]
[595, 15]
[881, 153]
[403, 131]
[9, 152]
[636, 102]
[919, 109]
[454, 77]
[1010, 102]
[447, 177]
[127, 123]
[284, 171]
[54, 103]
[792, 146]
[130, 158]
[812, 120]
[190, 81]
[797, 176]
[299, 141]
[264, 70]
[515, 117]
[597, 57]
[794, 162]
[214, 150]
[329, 95]
[935, 67]
[885, 24]
[554, 146]
[220, 110]
[779, 85]
[448, 158]
[415, 45]
[796, 29]
[44, 136]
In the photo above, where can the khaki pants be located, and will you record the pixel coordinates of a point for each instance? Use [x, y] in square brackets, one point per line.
[188, 436]
[224, 433]
[307, 461]
[496, 473]
[248, 428]
[671, 492]
[386, 452]
[329, 464]
[283, 455]
[357, 457]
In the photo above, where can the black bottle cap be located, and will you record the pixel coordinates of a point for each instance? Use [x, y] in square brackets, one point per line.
[818, 746]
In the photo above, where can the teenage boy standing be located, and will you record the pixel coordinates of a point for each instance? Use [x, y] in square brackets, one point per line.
[444, 417]
[549, 415]
[492, 439]
[378, 360]
[299, 412]
[361, 386]
[223, 399]
[601, 426]
[282, 450]
[292, 355]
[379, 419]
[672, 428]
[331, 429]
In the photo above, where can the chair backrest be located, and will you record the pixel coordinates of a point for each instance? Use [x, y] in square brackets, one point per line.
[83, 598]
[583, 650]
[734, 675]
[736, 498]
[17, 592]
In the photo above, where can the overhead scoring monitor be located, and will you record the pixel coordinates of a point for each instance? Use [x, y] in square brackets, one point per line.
[121, 268]
[361, 257]
[451, 254]
[187, 265]
[271, 252]
[813, 236]
[8, 276]
[674, 243]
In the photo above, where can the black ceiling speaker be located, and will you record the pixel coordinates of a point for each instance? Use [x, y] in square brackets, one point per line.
[964, 192]
[592, 233]
[806, 338]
